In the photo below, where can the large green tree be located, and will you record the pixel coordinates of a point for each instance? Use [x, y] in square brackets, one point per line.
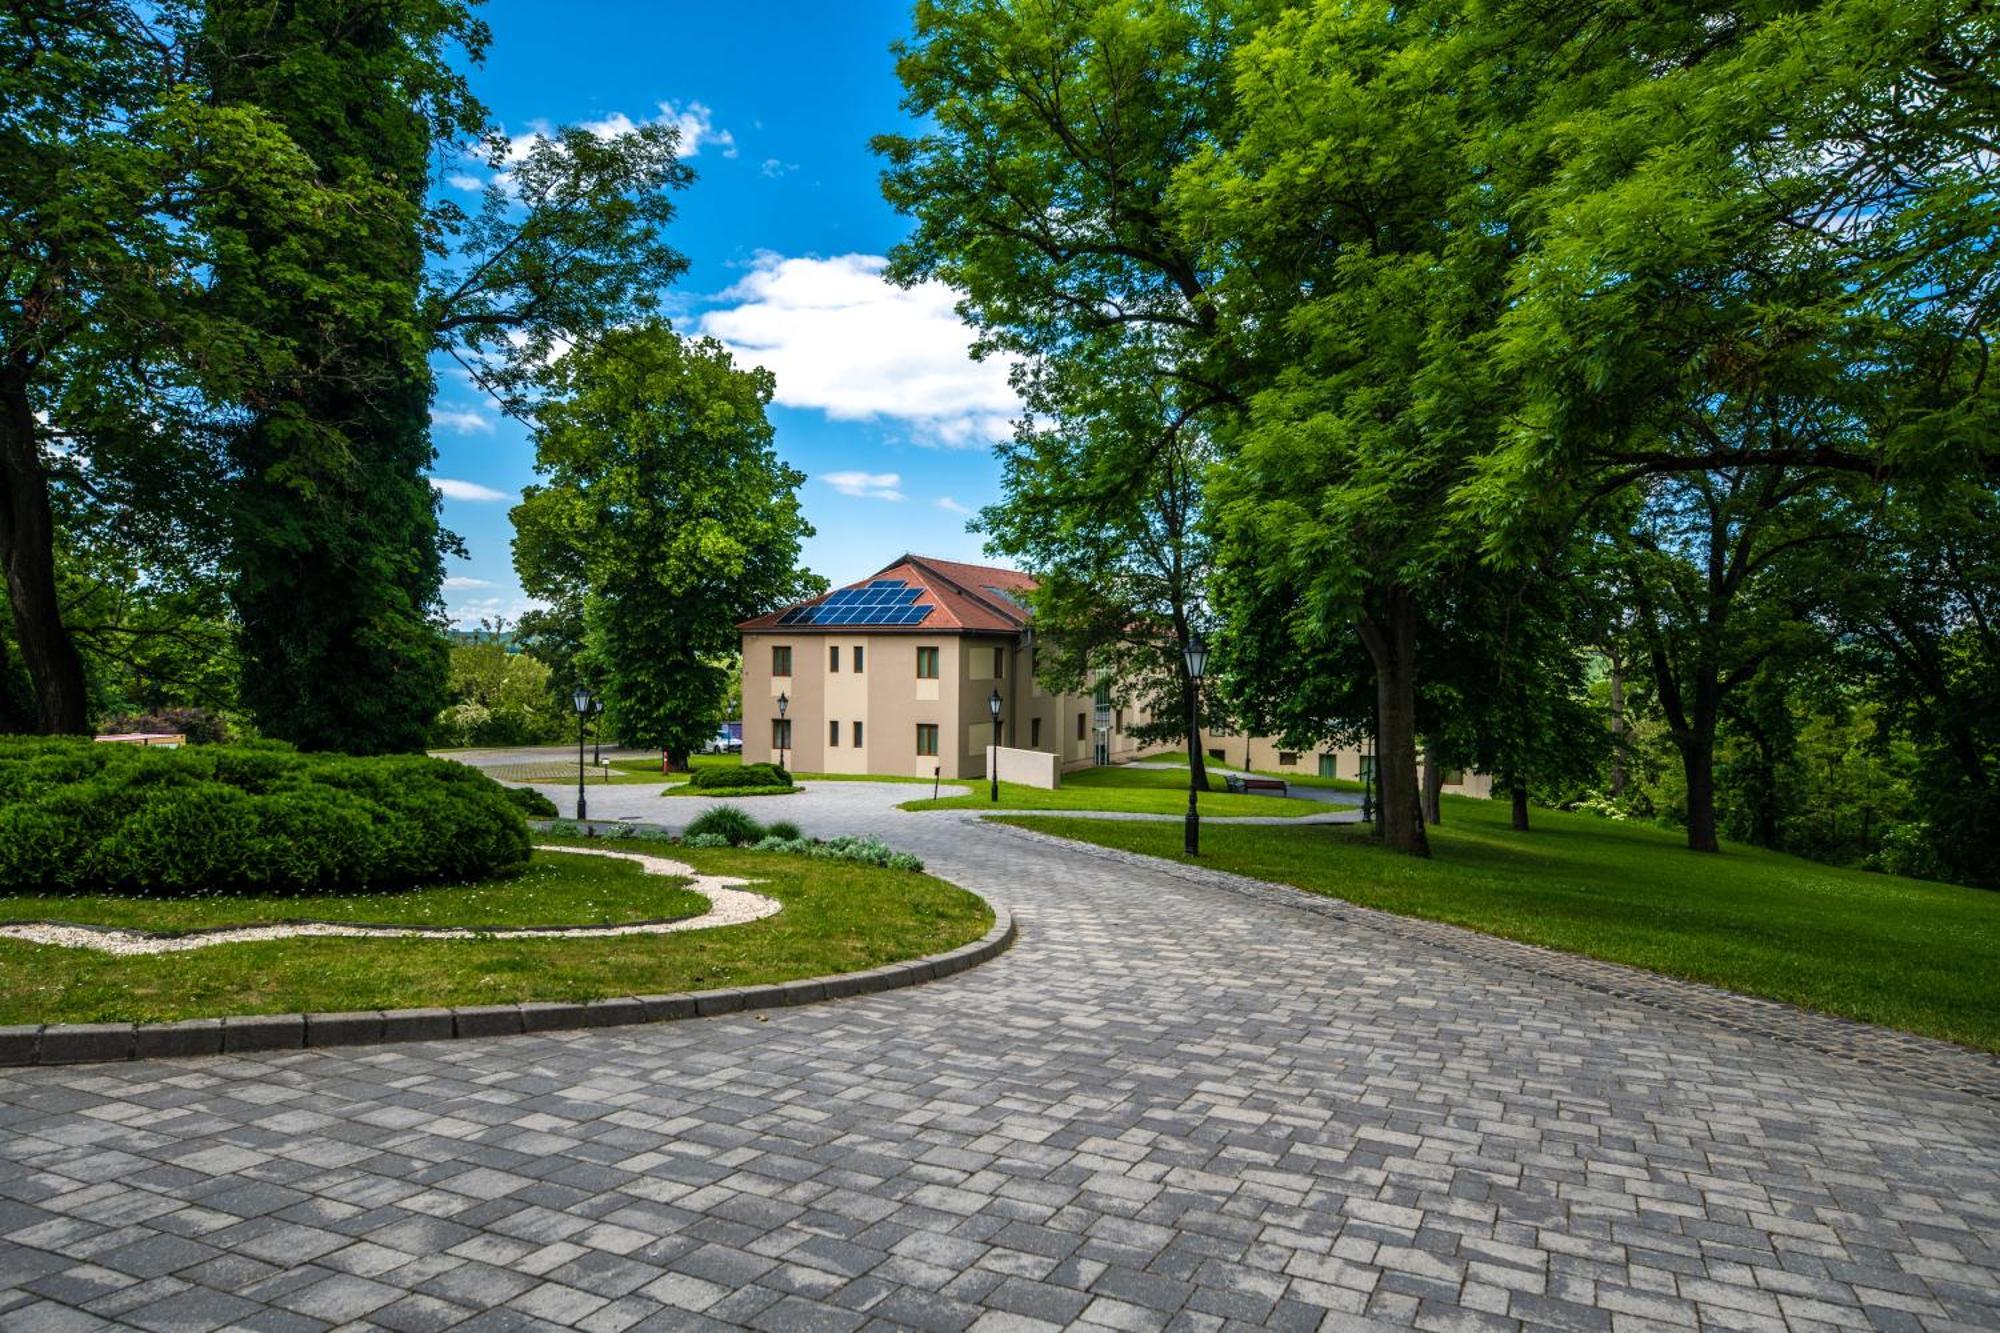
[666, 512]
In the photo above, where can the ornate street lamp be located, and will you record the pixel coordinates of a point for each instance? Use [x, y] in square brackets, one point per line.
[993, 751]
[1196, 653]
[784, 702]
[581, 700]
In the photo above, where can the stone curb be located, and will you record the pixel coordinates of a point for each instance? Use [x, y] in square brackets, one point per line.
[78, 1043]
[1942, 1064]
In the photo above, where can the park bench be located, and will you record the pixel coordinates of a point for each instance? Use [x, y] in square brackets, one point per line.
[1242, 785]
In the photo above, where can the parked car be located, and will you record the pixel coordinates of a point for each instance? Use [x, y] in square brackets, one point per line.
[728, 739]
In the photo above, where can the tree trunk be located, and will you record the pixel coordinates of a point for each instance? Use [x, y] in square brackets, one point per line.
[1519, 792]
[27, 555]
[1697, 747]
[1433, 788]
[1619, 777]
[675, 761]
[1391, 641]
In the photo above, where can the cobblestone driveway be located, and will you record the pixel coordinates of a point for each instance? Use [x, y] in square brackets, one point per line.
[1168, 1107]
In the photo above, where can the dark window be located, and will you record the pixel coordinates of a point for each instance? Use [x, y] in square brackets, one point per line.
[927, 664]
[927, 738]
[999, 662]
[1287, 758]
[833, 657]
[781, 733]
[1083, 726]
[857, 657]
[781, 660]
[1035, 733]
[1216, 755]
[832, 733]
[857, 735]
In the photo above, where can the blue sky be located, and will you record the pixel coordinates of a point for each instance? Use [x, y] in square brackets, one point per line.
[783, 228]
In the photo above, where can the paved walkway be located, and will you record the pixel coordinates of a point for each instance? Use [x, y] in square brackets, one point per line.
[1170, 1106]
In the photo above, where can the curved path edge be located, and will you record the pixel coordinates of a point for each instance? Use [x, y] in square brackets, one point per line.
[85, 1043]
[1942, 1064]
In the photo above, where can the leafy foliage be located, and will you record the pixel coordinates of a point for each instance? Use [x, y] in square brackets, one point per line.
[76, 817]
[744, 775]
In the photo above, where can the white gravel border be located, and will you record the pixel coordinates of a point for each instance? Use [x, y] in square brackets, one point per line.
[729, 906]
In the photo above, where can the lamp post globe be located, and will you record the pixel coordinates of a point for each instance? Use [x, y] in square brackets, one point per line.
[993, 755]
[784, 702]
[1196, 655]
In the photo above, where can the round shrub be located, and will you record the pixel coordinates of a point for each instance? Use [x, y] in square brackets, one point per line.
[783, 828]
[224, 819]
[532, 803]
[726, 822]
[747, 775]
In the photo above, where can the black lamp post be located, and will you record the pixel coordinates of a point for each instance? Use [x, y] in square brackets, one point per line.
[784, 702]
[1197, 667]
[993, 760]
[582, 701]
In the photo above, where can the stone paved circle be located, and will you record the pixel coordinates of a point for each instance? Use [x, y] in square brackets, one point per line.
[1170, 1106]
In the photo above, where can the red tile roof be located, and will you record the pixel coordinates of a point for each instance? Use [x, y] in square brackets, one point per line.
[962, 597]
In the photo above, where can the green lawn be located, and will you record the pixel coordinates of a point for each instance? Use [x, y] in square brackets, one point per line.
[1297, 777]
[838, 917]
[554, 890]
[1145, 790]
[1904, 953]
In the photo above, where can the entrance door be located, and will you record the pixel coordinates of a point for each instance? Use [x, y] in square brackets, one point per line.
[1326, 766]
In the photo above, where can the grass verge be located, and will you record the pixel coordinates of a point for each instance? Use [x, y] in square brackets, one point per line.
[838, 917]
[1137, 790]
[1903, 953]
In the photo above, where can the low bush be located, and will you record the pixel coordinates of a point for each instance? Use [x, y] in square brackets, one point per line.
[77, 817]
[783, 828]
[747, 775]
[725, 822]
[531, 802]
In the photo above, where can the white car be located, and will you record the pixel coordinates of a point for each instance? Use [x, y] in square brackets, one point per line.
[723, 742]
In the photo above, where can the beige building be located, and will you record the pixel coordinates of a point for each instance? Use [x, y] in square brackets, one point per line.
[896, 675]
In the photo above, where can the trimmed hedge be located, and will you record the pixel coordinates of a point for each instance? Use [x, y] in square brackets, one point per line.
[531, 802]
[262, 819]
[748, 775]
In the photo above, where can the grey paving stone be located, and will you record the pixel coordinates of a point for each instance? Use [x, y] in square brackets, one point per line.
[264, 1032]
[17, 1043]
[192, 1036]
[357, 1028]
[1174, 1105]
[416, 1024]
[487, 1020]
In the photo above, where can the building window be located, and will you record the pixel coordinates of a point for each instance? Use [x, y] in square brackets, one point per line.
[999, 663]
[857, 735]
[781, 660]
[1034, 733]
[781, 733]
[1329, 766]
[1083, 726]
[1217, 756]
[833, 657]
[857, 657]
[927, 665]
[927, 735]
[832, 733]
[1118, 720]
[1288, 759]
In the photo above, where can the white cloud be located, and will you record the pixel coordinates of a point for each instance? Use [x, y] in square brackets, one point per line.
[468, 615]
[451, 488]
[951, 506]
[465, 180]
[841, 338]
[695, 121]
[865, 485]
[462, 420]
[461, 582]
[775, 167]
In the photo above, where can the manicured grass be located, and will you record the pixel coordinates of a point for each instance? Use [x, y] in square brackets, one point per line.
[689, 789]
[555, 890]
[838, 917]
[594, 775]
[1297, 777]
[1146, 791]
[1904, 953]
